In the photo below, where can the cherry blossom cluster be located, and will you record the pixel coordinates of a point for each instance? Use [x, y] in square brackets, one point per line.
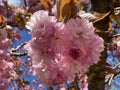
[59, 50]
[7, 66]
[5, 60]
[116, 46]
[4, 41]
[5, 71]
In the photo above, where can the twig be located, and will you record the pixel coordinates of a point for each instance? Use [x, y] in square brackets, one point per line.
[18, 48]
[116, 35]
[18, 54]
[113, 75]
[50, 88]
[14, 52]
[12, 10]
[116, 66]
[110, 79]
[25, 3]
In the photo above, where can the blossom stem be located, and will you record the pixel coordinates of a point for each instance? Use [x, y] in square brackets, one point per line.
[50, 88]
[25, 3]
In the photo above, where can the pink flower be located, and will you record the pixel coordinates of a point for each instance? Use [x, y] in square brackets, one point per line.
[3, 34]
[118, 43]
[41, 24]
[40, 87]
[4, 56]
[4, 41]
[60, 50]
[43, 32]
[84, 39]
[5, 74]
[62, 88]
[85, 1]
[5, 44]
[82, 47]
[118, 49]
[54, 10]
[83, 82]
[51, 74]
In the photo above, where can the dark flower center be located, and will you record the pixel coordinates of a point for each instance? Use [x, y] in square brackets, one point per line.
[75, 53]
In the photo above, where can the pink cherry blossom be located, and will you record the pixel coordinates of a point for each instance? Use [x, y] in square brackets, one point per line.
[4, 41]
[60, 50]
[5, 44]
[54, 10]
[5, 56]
[62, 88]
[85, 1]
[5, 71]
[118, 48]
[83, 82]
[50, 74]
[82, 49]
[5, 60]
[3, 34]
[41, 24]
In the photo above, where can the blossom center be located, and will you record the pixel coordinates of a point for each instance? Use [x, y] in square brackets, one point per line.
[75, 53]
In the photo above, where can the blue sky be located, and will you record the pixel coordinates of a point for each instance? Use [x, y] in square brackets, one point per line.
[15, 2]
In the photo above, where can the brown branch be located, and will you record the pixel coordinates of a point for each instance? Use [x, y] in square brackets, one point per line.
[50, 88]
[25, 3]
[18, 48]
[14, 52]
[18, 54]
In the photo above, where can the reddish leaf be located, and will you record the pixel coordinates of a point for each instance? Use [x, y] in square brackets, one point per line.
[101, 16]
[67, 9]
[2, 20]
[46, 3]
